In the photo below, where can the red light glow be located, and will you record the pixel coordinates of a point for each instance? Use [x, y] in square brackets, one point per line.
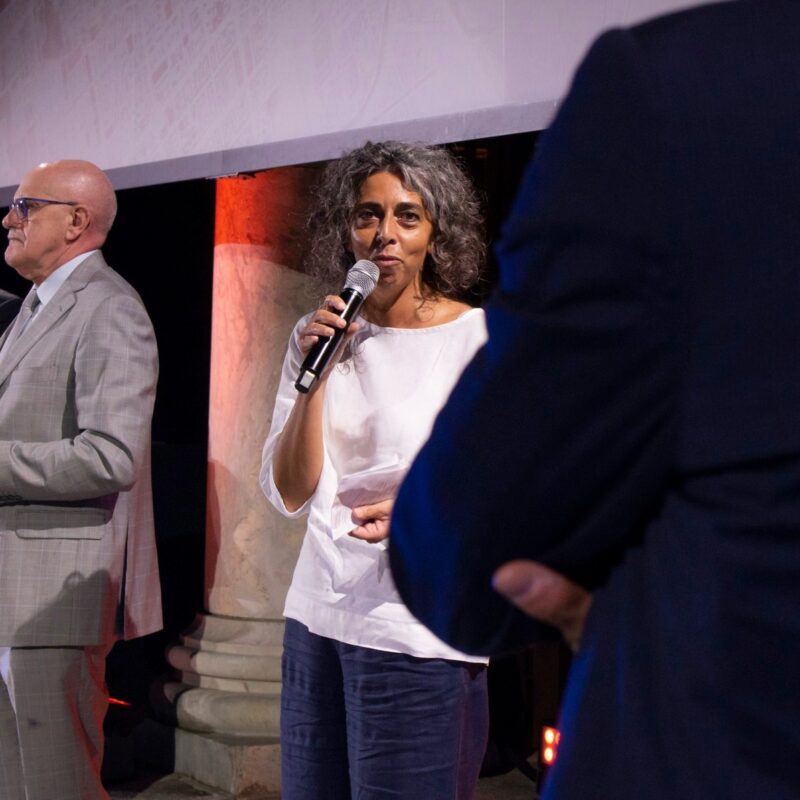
[112, 701]
[549, 749]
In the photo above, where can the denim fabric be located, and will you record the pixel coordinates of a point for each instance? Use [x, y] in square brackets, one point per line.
[369, 724]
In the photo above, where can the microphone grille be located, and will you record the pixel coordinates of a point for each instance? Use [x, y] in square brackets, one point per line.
[363, 277]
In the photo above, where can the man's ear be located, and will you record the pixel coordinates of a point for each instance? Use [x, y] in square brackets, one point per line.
[80, 222]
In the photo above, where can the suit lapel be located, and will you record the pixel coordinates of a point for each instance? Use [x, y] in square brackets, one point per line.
[63, 300]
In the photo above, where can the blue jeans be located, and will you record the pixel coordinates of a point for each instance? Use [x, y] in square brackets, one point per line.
[367, 724]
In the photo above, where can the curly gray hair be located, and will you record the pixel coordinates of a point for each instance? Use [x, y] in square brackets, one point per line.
[458, 247]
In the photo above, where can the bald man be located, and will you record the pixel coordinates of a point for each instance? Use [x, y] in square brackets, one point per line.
[78, 369]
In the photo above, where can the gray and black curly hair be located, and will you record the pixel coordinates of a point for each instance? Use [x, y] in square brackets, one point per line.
[458, 247]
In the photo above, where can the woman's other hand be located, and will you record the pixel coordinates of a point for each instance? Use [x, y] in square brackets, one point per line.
[372, 521]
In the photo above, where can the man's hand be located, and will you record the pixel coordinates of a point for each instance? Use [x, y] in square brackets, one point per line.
[372, 522]
[545, 595]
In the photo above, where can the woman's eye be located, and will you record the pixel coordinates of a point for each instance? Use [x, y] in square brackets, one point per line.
[409, 216]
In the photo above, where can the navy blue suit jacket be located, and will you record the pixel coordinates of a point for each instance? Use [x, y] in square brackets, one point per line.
[634, 419]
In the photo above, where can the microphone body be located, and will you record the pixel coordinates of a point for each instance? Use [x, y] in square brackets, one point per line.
[362, 278]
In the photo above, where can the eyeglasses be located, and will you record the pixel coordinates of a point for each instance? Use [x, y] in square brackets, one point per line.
[22, 205]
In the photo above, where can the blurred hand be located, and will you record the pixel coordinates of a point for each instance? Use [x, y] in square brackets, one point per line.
[545, 595]
[372, 521]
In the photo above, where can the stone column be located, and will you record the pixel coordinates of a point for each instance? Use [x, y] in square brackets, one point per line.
[229, 659]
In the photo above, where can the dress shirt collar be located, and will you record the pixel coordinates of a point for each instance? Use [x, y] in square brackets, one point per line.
[50, 285]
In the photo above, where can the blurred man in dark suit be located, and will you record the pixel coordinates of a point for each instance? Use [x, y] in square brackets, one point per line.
[634, 420]
[9, 305]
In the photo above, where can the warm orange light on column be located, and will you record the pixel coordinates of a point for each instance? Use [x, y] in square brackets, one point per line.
[258, 295]
[263, 210]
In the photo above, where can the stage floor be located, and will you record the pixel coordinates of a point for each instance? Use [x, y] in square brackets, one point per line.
[511, 786]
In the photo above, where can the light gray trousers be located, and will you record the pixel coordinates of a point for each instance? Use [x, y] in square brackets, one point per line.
[52, 704]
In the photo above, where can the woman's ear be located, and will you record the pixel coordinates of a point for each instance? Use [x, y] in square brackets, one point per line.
[432, 238]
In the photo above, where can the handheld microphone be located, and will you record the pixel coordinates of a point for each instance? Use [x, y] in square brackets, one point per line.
[362, 278]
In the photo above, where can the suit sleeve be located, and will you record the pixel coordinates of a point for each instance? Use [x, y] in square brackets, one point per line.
[556, 443]
[108, 408]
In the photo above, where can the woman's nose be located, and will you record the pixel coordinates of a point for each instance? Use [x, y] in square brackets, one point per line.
[385, 231]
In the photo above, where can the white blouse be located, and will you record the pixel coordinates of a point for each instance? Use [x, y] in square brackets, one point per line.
[378, 412]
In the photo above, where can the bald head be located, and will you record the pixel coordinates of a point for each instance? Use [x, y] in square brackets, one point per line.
[84, 183]
[70, 211]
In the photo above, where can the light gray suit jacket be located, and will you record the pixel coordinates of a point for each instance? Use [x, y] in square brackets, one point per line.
[77, 546]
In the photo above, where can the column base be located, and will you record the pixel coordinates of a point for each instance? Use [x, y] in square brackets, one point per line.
[229, 672]
[242, 766]
[220, 718]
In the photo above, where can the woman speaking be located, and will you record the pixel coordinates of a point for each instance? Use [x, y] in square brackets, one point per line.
[373, 704]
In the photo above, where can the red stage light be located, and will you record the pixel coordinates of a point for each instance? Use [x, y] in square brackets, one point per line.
[549, 747]
[112, 701]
